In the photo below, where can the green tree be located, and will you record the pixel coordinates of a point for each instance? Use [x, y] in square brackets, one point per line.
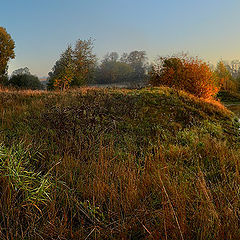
[21, 71]
[75, 66]
[63, 71]
[111, 70]
[111, 57]
[25, 81]
[7, 46]
[225, 78]
[138, 61]
[84, 62]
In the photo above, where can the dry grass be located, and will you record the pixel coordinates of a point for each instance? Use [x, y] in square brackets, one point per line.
[118, 164]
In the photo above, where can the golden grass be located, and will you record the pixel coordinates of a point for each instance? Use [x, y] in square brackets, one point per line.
[122, 164]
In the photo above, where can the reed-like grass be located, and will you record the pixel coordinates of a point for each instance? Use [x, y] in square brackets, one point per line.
[117, 164]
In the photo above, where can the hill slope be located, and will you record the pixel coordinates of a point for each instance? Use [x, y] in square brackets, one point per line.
[118, 164]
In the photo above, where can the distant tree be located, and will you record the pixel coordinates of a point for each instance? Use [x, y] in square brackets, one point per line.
[25, 80]
[138, 61]
[130, 68]
[84, 62]
[111, 57]
[234, 68]
[21, 71]
[75, 67]
[111, 70]
[63, 71]
[137, 58]
[225, 77]
[185, 73]
[124, 58]
[7, 46]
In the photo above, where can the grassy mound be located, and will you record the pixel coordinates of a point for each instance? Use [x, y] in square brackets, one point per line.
[118, 164]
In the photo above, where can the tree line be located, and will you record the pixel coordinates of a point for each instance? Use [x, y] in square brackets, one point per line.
[78, 66]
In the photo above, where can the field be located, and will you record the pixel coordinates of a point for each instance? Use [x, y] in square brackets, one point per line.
[91, 163]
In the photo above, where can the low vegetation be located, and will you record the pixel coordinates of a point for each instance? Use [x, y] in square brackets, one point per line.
[25, 81]
[155, 163]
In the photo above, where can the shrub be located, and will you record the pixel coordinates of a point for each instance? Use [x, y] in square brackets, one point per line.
[25, 81]
[185, 73]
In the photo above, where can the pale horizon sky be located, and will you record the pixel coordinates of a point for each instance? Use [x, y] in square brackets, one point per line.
[43, 29]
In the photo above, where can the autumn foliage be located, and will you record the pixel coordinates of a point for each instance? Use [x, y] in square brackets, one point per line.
[62, 83]
[227, 82]
[7, 46]
[185, 73]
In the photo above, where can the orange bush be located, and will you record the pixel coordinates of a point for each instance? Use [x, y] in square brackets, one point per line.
[189, 74]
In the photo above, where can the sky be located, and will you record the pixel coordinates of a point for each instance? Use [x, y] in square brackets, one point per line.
[42, 29]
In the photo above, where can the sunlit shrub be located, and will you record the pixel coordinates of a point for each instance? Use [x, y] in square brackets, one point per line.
[185, 73]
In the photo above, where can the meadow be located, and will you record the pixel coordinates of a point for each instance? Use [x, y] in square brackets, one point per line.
[89, 163]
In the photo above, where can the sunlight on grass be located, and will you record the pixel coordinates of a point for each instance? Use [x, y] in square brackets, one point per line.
[151, 163]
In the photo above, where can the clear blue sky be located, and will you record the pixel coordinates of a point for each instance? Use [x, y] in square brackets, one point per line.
[43, 28]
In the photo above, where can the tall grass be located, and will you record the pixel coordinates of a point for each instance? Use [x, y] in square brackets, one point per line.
[118, 164]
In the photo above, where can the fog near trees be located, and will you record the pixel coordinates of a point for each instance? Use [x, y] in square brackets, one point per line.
[129, 68]
[78, 65]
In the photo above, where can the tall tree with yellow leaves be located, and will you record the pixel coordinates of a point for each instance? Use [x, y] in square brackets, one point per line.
[7, 46]
[225, 78]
